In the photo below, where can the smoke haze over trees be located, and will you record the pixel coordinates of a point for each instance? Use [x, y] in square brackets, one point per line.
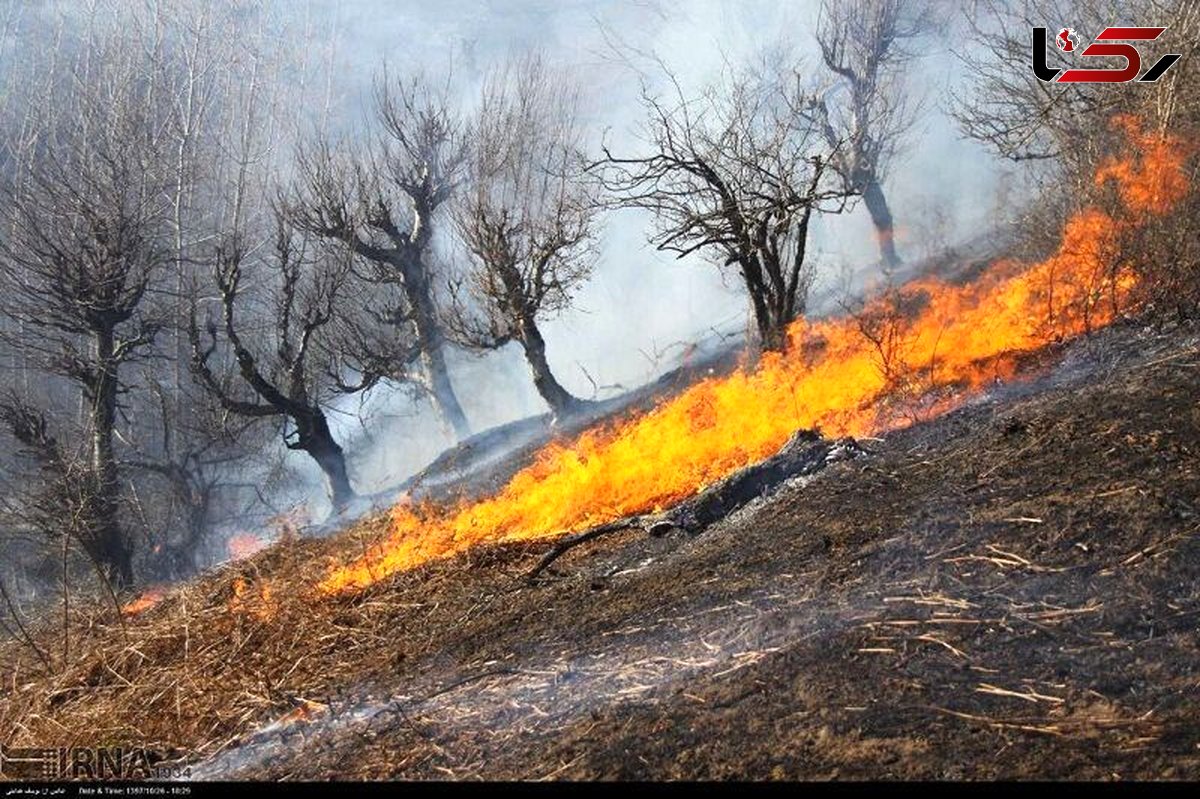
[263, 253]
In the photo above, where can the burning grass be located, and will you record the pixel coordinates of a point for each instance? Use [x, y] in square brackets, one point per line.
[834, 378]
[198, 665]
[938, 605]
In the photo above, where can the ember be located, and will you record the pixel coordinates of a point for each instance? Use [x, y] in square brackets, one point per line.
[252, 597]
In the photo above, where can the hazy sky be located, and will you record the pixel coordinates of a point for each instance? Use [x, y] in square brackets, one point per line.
[638, 301]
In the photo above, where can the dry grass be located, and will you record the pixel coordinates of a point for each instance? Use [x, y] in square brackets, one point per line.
[239, 648]
[1016, 597]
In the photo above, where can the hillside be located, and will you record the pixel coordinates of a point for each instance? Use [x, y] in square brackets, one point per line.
[1007, 591]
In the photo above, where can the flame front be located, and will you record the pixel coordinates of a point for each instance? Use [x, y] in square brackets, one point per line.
[144, 601]
[950, 340]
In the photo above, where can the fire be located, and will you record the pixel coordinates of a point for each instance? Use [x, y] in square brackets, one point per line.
[1162, 181]
[144, 601]
[947, 340]
[243, 545]
[281, 527]
[305, 712]
[253, 597]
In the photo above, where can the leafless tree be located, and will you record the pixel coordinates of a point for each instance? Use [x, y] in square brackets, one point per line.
[865, 44]
[292, 371]
[736, 174]
[527, 216]
[197, 460]
[1022, 118]
[83, 243]
[383, 203]
[1003, 104]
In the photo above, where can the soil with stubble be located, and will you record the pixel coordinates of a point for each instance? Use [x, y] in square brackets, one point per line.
[1009, 591]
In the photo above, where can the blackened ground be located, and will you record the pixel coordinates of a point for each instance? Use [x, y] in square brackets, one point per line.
[1011, 591]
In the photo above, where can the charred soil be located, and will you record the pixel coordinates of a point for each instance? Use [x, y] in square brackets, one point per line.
[1008, 591]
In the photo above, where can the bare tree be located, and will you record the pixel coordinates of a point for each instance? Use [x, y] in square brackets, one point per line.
[83, 240]
[527, 216]
[293, 372]
[383, 204]
[1004, 105]
[196, 455]
[864, 44]
[736, 174]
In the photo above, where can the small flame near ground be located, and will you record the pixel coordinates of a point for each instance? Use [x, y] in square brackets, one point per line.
[306, 710]
[284, 527]
[144, 601]
[243, 545]
[949, 342]
[253, 597]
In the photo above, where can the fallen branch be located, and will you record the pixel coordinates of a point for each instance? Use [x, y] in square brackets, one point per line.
[563, 545]
[805, 453]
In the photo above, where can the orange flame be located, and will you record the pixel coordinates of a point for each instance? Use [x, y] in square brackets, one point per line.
[254, 598]
[951, 340]
[305, 712]
[243, 545]
[144, 601]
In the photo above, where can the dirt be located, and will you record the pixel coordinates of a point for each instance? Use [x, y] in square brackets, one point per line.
[1008, 591]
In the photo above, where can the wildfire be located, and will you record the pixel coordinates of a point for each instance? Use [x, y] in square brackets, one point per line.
[252, 597]
[144, 601]
[243, 545]
[843, 376]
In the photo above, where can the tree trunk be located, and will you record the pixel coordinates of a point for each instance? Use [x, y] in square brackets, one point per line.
[317, 440]
[433, 359]
[773, 334]
[775, 304]
[111, 547]
[182, 559]
[881, 218]
[772, 322]
[558, 398]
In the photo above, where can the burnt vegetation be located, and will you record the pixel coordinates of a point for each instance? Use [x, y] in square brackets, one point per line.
[207, 277]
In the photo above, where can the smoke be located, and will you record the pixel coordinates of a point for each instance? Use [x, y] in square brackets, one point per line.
[630, 321]
[639, 302]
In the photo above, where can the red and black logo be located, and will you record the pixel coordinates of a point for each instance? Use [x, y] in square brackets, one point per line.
[1110, 42]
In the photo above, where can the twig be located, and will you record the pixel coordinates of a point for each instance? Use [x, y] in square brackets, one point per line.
[566, 544]
[21, 626]
[1047, 730]
[1028, 696]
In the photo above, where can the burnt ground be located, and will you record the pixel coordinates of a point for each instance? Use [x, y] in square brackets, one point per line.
[1009, 591]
